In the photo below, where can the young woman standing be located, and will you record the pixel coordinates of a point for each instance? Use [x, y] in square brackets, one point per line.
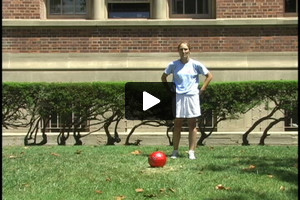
[186, 73]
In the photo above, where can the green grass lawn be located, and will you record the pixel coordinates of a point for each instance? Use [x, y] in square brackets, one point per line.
[114, 172]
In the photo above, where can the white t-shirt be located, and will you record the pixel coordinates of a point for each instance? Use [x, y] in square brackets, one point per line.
[186, 76]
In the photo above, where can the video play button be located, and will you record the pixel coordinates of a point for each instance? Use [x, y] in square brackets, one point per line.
[149, 101]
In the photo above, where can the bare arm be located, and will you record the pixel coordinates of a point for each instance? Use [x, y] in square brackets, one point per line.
[164, 77]
[165, 83]
[207, 80]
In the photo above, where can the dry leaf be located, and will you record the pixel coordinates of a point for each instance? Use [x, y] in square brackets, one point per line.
[222, 187]
[251, 167]
[139, 190]
[108, 179]
[136, 152]
[12, 156]
[99, 191]
[163, 190]
[282, 188]
[55, 154]
[120, 197]
[172, 190]
[26, 185]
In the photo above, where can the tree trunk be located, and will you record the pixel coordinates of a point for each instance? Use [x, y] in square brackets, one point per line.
[245, 135]
[265, 133]
[110, 139]
[168, 136]
[77, 137]
[61, 138]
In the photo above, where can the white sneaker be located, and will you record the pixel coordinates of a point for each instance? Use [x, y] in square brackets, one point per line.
[175, 154]
[192, 155]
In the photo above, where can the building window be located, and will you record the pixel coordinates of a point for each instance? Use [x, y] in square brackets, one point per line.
[129, 10]
[291, 121]
[67, 122]
[207, 122]
[67, 8]
[291, 7]
[191, 8]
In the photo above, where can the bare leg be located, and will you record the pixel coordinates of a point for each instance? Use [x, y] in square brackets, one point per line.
[192, 133]
[177, 132]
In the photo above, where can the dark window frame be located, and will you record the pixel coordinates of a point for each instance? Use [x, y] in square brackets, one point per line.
[55, 125]
[290, 14]
[209, 15]
[130, 14]
[73, 15]
[291, 121]
[209, 121]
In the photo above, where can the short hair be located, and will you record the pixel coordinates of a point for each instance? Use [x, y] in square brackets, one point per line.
[189, 46]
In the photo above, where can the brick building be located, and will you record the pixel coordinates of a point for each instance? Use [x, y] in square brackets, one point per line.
[134, 40]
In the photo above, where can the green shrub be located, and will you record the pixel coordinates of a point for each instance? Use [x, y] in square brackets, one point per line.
[26, 104]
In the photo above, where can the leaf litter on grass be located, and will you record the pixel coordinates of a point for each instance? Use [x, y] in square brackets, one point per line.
[132, 171]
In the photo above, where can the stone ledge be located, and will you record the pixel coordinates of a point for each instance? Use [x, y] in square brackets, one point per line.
[146, 61]
[290, 133]
[151, 22]
[226, 138]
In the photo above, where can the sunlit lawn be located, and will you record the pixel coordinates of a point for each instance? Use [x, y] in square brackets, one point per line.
[115, 172]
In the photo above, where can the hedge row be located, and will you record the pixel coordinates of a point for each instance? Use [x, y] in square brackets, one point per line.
[102, 103]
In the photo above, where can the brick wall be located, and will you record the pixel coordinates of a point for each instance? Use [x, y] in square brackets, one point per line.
[101, 39]
[34, 9]
[249, 8]
[22, 9]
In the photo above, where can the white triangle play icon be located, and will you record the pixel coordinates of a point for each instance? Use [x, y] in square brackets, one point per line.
[149, 100]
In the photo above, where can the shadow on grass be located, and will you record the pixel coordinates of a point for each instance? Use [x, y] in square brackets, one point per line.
[278, 167]
[250, 193]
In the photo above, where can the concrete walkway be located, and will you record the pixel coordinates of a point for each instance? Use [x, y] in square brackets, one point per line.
[217, 138]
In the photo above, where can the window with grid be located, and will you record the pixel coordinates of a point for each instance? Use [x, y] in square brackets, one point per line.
[67, 8]
[291, 121]
[209, 121]
[191, 8]
[291, 7]
[68, 122]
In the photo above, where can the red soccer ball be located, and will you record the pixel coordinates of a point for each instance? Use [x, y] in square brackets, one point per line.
[157, 159]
